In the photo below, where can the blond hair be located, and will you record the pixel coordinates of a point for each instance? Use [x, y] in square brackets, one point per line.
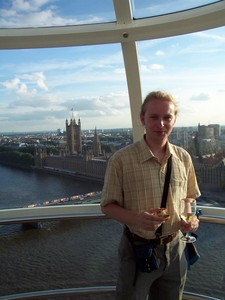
[158, 95]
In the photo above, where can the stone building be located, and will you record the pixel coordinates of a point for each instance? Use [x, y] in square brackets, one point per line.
[73, 160]
[73, 137]
[96, 147]
[210, 131]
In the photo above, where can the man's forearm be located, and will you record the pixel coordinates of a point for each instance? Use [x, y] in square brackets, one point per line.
[120, 214]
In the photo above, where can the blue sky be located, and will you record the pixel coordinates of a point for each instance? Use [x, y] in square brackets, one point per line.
[40, 87]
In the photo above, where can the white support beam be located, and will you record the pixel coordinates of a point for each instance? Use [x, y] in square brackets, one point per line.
[134, 86]
[123, 11]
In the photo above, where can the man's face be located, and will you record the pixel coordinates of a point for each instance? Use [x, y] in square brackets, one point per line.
[158, 120]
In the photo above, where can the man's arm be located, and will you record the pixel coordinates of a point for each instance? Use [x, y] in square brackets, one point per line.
[120, 214]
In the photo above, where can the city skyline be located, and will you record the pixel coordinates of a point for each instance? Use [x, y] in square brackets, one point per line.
[101, 130]
[40, 87]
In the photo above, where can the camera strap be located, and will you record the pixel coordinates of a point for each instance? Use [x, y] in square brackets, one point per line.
[158, 232]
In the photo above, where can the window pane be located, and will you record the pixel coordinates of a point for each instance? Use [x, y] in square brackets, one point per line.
[40, 89]
[18, 14]
[146, 8]
[191, 67]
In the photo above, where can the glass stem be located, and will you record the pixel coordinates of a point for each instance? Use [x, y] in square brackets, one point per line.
[187, 234]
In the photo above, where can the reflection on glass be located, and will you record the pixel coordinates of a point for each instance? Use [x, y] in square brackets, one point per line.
[146, 8]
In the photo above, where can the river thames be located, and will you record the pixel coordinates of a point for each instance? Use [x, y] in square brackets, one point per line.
[78, 253]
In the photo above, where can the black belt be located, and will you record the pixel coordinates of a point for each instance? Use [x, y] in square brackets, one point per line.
[158, 241]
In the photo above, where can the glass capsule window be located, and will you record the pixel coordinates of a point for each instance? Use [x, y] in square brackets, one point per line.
[146, 8]
[27, 14]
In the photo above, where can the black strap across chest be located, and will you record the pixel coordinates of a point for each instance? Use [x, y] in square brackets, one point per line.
[158, 232]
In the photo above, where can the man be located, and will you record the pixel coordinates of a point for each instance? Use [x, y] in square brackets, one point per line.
[132, 195]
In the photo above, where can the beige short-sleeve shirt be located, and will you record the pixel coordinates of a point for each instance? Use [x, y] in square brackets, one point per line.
[135, 179]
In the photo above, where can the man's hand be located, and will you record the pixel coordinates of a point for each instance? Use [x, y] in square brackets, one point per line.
[190, 226]
[150, 220]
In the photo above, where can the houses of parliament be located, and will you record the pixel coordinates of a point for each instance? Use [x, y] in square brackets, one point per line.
[73, 158]
[80, 160]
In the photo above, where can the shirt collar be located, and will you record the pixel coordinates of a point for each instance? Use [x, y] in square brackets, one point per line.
[171, 150]
[146, 154]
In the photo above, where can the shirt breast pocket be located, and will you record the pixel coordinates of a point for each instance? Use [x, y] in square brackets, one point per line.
[178, 188]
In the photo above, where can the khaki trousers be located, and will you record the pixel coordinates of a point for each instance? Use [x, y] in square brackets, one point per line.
[166, 283]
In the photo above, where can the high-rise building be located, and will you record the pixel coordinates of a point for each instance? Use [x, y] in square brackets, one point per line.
[210, 131]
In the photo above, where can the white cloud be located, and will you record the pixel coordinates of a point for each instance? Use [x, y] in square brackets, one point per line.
[33, 13]
[38, 78]
[40, 82]
[157, 67]
[150, 68]
[21, 82]
[108, 104]
[160, 53]
[200, 97]
[22, 89]
[210, 35]
[119, 71]
[24, 5]
[11, 84]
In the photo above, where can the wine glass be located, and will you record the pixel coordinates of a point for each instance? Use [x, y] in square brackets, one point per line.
[187, 216]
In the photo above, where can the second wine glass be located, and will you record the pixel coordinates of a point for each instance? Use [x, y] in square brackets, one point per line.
[187, 216]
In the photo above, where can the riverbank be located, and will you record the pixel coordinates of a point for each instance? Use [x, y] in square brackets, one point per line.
[54, 171]
[61, 172]
[16, 165]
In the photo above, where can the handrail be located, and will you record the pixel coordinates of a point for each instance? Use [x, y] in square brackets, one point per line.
[46, 213]
[212, 214]
[61, 212]
[86, 291]
[60, 292]
[194, 296]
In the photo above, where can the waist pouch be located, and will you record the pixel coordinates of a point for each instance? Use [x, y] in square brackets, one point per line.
[146, 257]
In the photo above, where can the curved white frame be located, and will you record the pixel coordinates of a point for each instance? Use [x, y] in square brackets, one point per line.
[126, 29]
